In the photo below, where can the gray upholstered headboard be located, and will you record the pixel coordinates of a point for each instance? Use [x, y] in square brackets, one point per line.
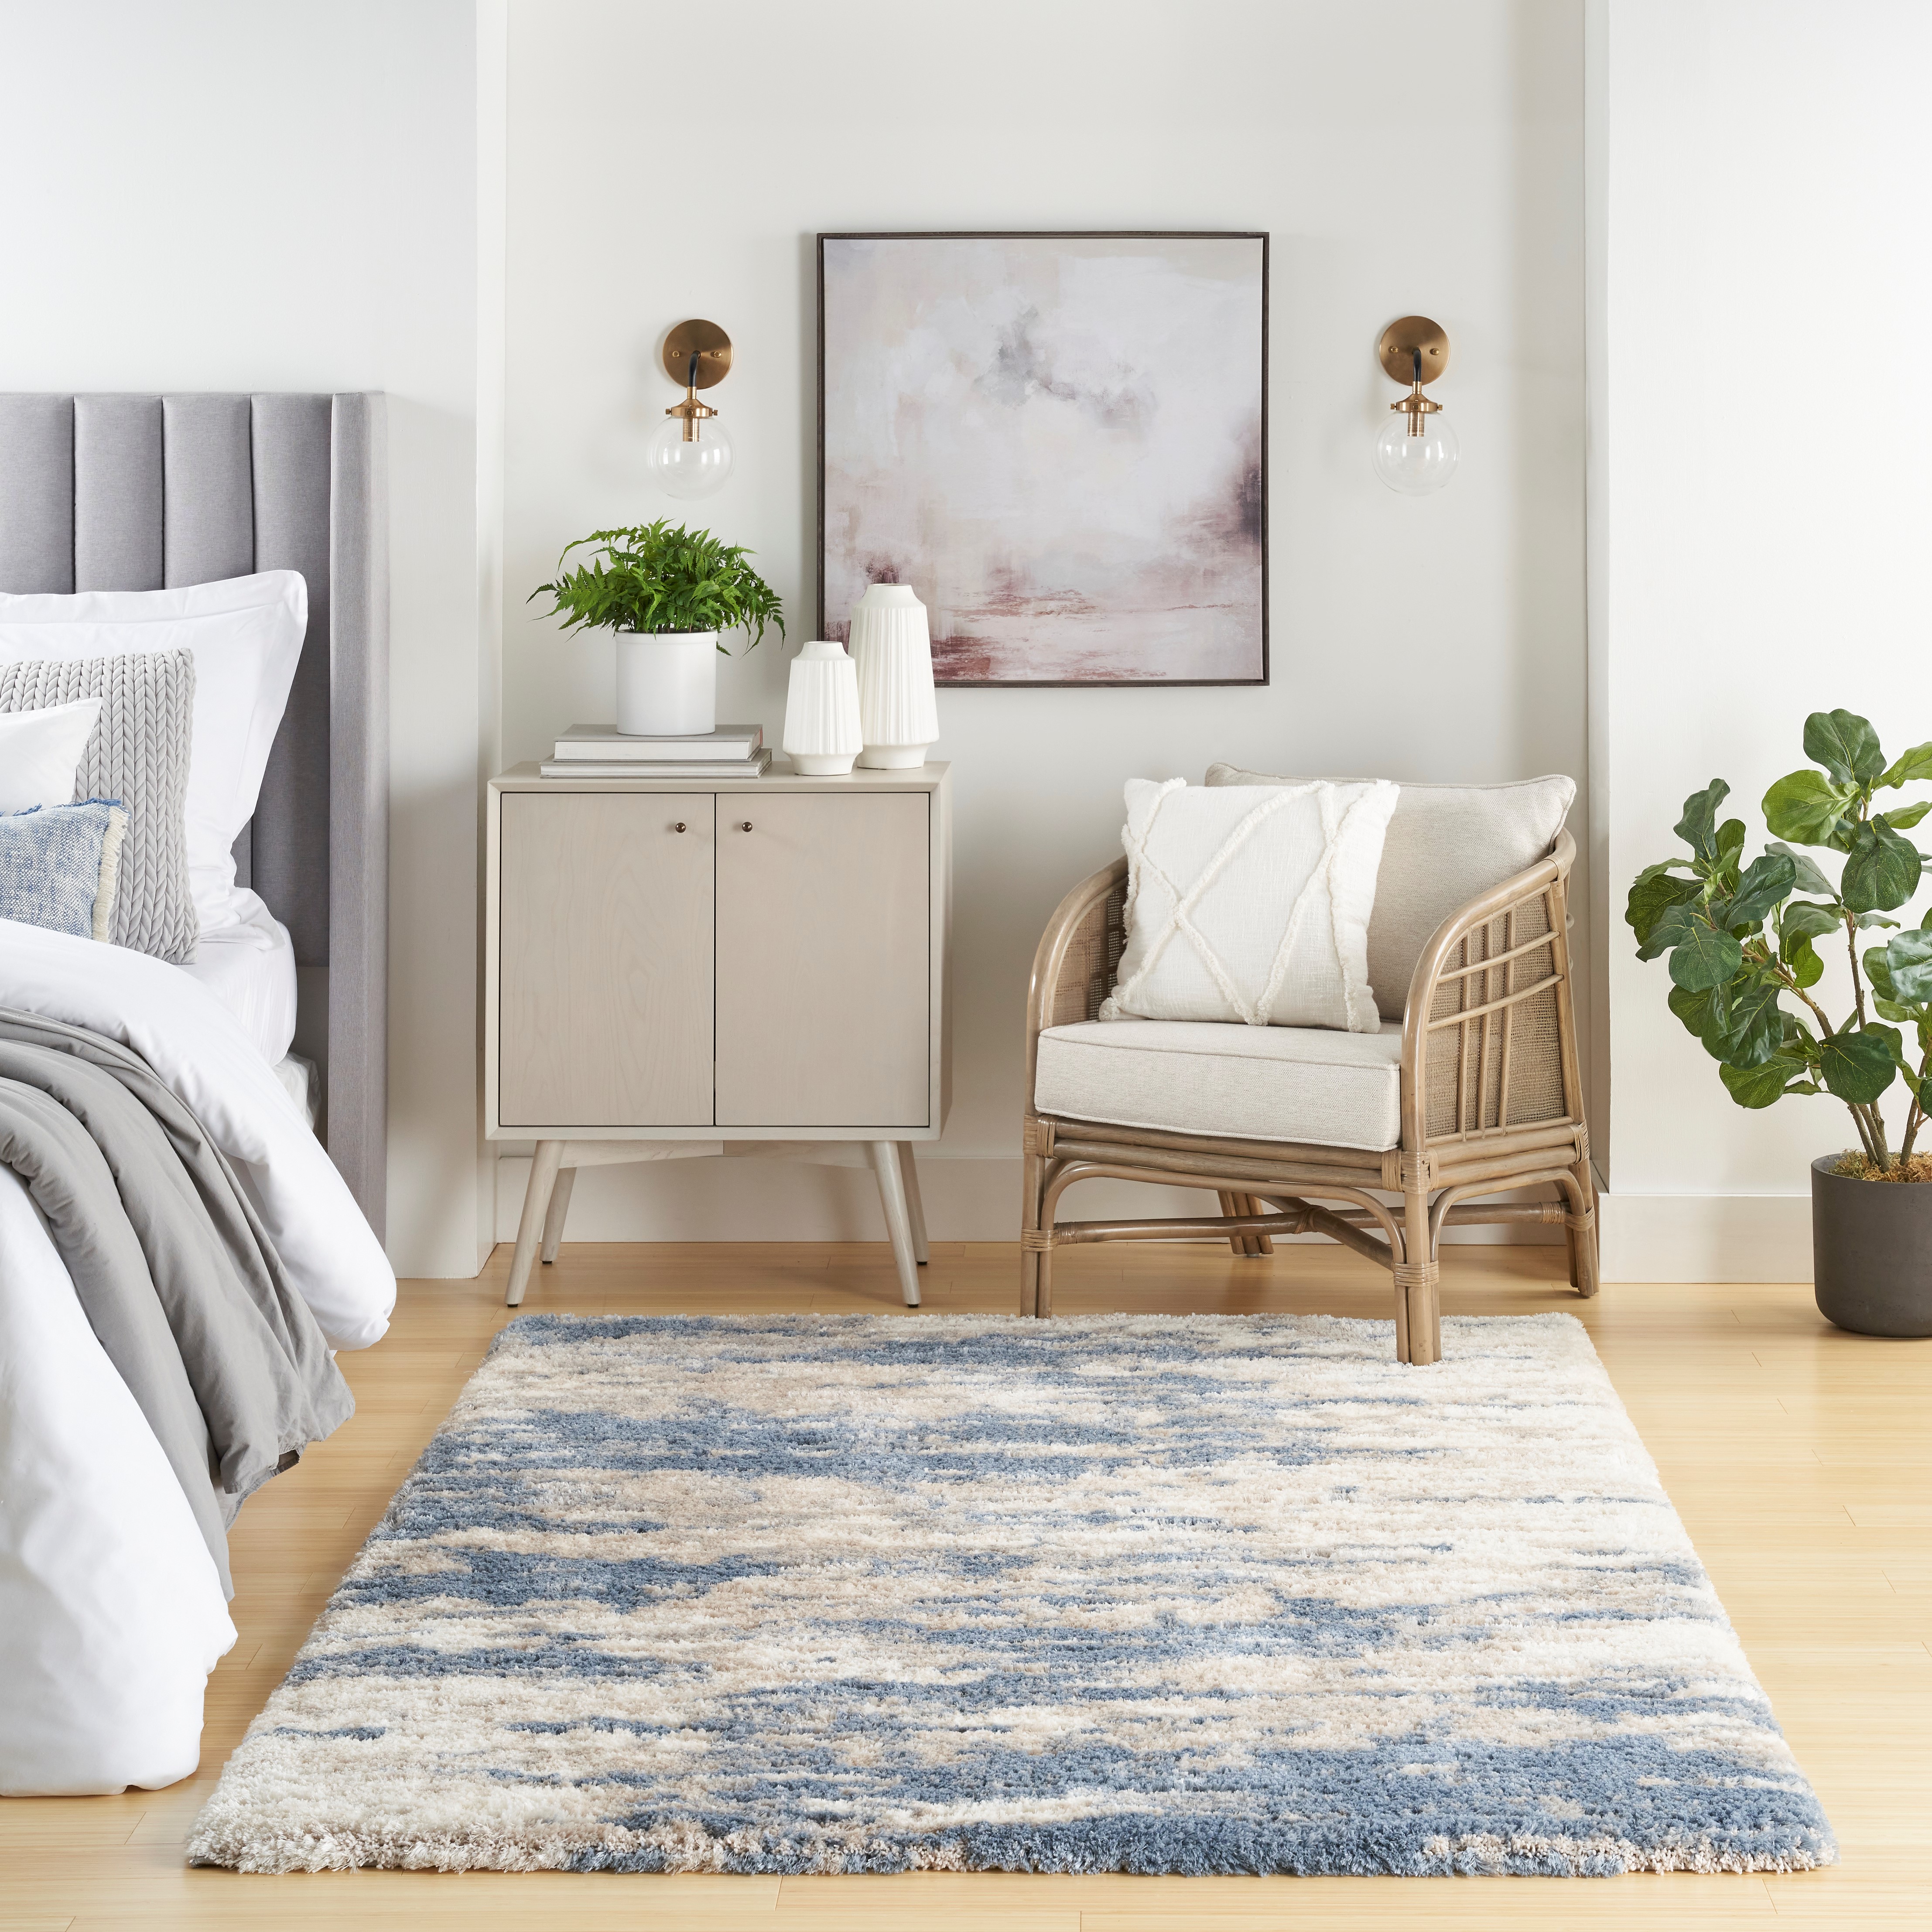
[144, 492]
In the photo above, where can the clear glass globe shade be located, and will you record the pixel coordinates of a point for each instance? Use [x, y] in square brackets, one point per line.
[1414, 465]
[687, 470]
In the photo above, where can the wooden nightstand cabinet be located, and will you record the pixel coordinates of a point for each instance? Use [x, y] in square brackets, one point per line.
[675, 968]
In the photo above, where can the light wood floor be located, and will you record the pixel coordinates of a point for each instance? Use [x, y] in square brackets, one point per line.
[1798, 1456]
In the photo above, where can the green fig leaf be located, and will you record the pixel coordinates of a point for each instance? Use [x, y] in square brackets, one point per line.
[1882, 872]
[1704, 956]
[1693, 1009]
[1752, 1030]
[1650, 899]
[1809, 879]
[1908, 961]
[1915, 763]
[1807, 806]
[1766, 883]
[1857, 1067]
[1762, 1086]
[1698, 827]
[1845, 744]
[1802, 918]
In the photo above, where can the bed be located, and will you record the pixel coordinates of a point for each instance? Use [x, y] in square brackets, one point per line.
[271, 1035]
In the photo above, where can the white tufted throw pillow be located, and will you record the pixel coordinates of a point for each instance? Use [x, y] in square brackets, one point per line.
[1251, 903]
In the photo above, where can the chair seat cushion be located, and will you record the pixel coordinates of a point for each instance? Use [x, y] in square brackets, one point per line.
[1307, 1084]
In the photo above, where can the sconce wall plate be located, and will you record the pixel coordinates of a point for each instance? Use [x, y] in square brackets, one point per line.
[1400, 343]
[712, 348]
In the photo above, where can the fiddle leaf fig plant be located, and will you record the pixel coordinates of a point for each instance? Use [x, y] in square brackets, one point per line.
[657, 580]
[1741, 941]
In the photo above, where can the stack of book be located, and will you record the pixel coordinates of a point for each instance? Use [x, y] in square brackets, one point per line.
[602, 752]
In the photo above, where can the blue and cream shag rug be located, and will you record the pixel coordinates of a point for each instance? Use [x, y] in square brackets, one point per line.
[1134, 1593]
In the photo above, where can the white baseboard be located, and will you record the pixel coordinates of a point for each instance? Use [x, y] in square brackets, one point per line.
[1705, 1237]
[748, 1200]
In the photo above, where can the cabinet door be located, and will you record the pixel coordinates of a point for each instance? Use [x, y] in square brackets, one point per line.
[605, 965]
[823, 971]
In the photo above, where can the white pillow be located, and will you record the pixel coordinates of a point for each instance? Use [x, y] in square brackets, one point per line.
[1251, 903]
[39, 753]
[246, 634]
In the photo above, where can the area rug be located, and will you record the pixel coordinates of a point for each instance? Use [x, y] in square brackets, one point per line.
[1146, 1594]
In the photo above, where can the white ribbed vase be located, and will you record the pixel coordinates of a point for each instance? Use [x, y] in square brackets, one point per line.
[821, 727]
[892, 649]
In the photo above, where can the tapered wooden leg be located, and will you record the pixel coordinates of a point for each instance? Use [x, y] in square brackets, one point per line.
[530, 1229]
[922, 1249]
[560, 1207]
[885, 1157]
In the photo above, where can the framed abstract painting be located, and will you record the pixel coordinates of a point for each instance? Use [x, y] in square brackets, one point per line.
[1059, 441]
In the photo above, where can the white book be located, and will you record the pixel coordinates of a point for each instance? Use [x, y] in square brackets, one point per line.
[605, 742]
[754, 767]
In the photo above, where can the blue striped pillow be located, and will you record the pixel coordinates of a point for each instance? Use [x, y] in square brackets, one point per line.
[59, 865]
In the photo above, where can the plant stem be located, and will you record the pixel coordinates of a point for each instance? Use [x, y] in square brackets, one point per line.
[1858, 1114]
[1784, 972]
[1914, 1119]
[1858, 978]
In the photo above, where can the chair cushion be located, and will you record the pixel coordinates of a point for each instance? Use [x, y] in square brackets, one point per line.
[1445, 843]
[1307, 1084]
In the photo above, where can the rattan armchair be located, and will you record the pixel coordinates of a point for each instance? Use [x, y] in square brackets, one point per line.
[1491, 1100]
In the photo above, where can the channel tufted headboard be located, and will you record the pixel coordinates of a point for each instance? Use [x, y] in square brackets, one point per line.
[146, 492]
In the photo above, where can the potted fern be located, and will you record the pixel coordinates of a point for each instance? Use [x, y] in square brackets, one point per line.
[670, 596]
[1742, 943]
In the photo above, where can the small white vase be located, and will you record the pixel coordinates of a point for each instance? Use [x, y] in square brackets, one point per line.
[892, 648]
[667, 683]
[821, 727]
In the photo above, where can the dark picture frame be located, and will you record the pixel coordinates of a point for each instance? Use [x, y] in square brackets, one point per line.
[1221, 542]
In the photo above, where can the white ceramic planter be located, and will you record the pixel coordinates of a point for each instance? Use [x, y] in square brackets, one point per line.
[666, 684]
[821, 727]
[892, 650]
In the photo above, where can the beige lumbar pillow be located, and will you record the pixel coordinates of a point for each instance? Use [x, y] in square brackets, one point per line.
[1251, 904]
[1447, 844]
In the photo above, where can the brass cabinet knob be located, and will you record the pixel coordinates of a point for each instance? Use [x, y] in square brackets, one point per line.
[679, 826]
[744, 825]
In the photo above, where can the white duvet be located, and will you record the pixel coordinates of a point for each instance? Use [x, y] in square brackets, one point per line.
[111, 1612]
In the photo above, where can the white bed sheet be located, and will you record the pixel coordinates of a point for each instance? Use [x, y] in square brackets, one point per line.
[250, 968]
[111, 1614]
[302, 1080]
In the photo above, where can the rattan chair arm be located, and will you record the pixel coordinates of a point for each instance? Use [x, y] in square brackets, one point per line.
[1050, 956]
[1553, 869]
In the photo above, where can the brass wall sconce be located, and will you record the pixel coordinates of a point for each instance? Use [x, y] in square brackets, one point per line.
[690, 455]
[1417, 451]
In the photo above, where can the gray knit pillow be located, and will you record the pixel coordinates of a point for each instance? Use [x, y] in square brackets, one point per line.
[138, 753]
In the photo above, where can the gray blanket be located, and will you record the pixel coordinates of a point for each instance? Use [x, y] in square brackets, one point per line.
[176, 1273]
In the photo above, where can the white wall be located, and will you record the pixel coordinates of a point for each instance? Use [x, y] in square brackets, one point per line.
[1761, 503]
[1428, 639]
[219, 196]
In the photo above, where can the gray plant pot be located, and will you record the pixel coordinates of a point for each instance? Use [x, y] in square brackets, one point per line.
[1871, 1251]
